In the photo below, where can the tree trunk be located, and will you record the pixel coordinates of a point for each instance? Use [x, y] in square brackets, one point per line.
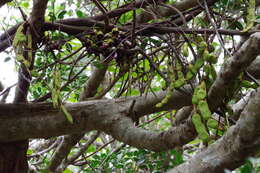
[13, 157]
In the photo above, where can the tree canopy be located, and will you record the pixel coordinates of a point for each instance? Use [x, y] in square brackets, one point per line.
[131, 86]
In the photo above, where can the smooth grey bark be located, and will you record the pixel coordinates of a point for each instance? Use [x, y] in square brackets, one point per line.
[182, 5]
[254, 68]
[89, 90]
[23, 121]
[13, 156]
[232, 68]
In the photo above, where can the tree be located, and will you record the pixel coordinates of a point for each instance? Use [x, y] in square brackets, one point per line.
[133, 83]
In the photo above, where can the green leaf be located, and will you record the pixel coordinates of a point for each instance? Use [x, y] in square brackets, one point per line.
[98, 64]
[236, 25]
[246, 84]
[247, 167]
[67, 170]
[61, 14]
[25, 5]
[79, 13]
[91, 149]
[29, 152]
[68, 47]
[201, 48]
[7, 59]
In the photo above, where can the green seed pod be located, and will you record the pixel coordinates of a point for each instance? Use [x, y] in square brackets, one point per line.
[211, 48]
[211, 58]
[108, 41]
[199, 93]
[180, 74]
[178, 67]
[204, 109]
[108, 35]
[165, 100]
[115, 31]
[179, 83]
[189, 75]
[185, 50]
[206, 55]
[246, 84]
[172, 85]
[195, 100]
[212, 123]
[201, 48]
[198, 39]
[203, 45]
[192, 69]
[200, 127]
[207, 69]
[159, 105]
[199, 63]
[99, 33]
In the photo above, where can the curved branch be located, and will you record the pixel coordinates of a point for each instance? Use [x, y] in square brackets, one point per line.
[89, 90]
[254, 68]
[166, 12]
[124, 130]
[232, 68]
[23, 121]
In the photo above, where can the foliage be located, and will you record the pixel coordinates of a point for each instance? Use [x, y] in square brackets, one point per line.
[139, 61]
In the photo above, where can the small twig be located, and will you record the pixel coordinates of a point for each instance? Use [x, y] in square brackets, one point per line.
[22, 13]
[103, 9]
[48, 95]
[46, 150]
[133, 28]
[7, 89]
[252, 78]
[83, 148]
[215, 27]
[178, 11]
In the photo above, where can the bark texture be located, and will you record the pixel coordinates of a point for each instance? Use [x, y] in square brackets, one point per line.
[13, 158]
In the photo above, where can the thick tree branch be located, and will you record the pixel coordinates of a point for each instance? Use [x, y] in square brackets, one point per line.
[15, 151]
[89, 90]
[22, 121]
[36, 22]
[124, 130]
[232, 68]
[254, 68]
[75, 25]
[229, 152]
[166, 12]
